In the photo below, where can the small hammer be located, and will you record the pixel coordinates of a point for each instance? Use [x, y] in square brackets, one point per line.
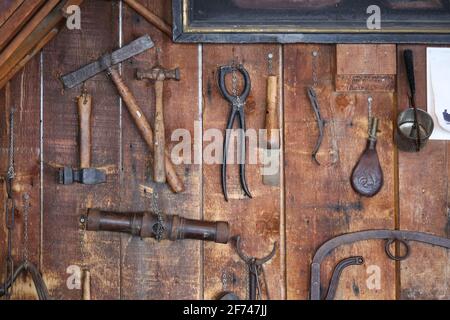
[159, 75]
[86, 174]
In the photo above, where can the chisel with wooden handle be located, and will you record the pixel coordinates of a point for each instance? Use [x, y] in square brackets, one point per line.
[272, 153]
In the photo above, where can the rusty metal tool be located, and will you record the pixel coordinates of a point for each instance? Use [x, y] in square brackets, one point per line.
[145, 225]
[272, 153]
[106, 63]
[159, 75]
[237, 102]
[320, 122]
[389, 236]
[255, 268]
[367, 176]
[86, 174]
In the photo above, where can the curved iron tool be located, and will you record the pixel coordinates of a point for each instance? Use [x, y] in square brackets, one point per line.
[39, 283]
[237, 110]
[334, 282]
[388, 235]
[254, 266]
[320, 122]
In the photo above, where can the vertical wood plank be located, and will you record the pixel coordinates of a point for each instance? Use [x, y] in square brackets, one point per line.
[23, 96]
[166, 270]
[320, 202]
[63, 205]
[423, 198]
[257, 220]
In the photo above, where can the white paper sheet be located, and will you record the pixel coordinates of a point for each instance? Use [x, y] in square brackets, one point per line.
[438, 91]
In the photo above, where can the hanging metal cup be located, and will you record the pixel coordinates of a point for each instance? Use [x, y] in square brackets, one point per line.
[406, 133]
[414, 125]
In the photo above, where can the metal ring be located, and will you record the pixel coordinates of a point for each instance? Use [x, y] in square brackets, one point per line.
[387, 249]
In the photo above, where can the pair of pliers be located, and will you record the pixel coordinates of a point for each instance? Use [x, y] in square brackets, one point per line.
[237, 103]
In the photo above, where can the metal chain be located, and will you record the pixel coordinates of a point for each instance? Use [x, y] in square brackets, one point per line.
[82, 234]
[26, 209]
[159, 227]
[315, 55]
[10, 210]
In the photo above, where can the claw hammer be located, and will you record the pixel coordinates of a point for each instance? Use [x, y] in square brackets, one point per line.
[159, 74]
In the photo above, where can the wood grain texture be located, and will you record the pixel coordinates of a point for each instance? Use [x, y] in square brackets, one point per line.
[7, 8]
[332, 208]
[17, 20]
[166, 270]
[366, 59]
[423, 198]
[23, 96]
[63, 205]
[257, 220]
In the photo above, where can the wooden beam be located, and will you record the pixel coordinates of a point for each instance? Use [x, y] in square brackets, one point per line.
[29, 56]
[7, 8]
[17, 20]
[34, 38]
[28, 29]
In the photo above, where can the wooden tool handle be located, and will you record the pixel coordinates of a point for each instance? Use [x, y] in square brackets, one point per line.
[150, 17]
[86, 284]
[159, 168]
[144, 127]
[273, 138]
[84, 113]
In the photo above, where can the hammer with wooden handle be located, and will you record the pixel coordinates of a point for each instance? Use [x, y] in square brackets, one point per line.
[105, 63]
[159, 75]
[86, 174]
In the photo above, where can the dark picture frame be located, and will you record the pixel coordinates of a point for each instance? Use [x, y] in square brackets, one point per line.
[306, 21]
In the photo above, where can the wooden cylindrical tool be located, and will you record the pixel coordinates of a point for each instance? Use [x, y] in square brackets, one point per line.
[86, 284]
[145, 129]
[84, 114]
[273, 136]
[150, 17]
[143, 224]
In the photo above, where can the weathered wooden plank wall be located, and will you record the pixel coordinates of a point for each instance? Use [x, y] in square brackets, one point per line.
[312, 204]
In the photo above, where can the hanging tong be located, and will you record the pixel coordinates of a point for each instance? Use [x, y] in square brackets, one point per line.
[255, 266]
[320, 122]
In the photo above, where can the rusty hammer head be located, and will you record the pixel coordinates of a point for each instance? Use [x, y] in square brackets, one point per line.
[158, 74]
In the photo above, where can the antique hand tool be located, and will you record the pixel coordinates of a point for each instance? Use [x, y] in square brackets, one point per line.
[158, 74]
[237, 102]
[320, 122]
[145, 225]
[414, 125]
[255, 268]
[272, 127]
[25, 266]
[367, 176]
[390, 236]
[86, 174]
[106, 63]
